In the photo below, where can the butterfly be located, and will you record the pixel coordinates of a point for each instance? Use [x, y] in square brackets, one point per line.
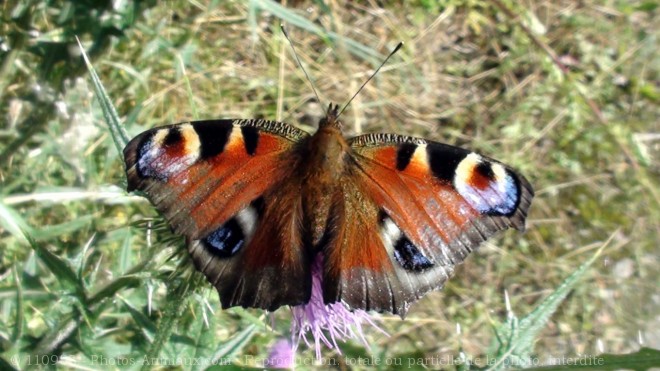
[258, 200]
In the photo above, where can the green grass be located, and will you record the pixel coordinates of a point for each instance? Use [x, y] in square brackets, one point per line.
[87, 269]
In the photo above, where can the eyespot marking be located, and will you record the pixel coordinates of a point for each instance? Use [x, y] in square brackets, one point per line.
[225, 241]
[237, 232]
[487, 186]
[167, 152]
[409, 256]
[405, 252]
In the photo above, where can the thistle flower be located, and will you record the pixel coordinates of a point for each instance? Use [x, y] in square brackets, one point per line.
[281, 355]
[336, 319]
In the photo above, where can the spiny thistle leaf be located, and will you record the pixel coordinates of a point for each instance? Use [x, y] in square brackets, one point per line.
[179, 290]
[119, 135]
[516, 337]
[179, 293]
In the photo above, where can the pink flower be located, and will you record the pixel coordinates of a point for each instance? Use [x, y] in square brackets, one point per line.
[281, 355]
[327, 323]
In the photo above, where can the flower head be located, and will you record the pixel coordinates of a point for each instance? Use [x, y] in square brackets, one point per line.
[336, 320]
[281, 355]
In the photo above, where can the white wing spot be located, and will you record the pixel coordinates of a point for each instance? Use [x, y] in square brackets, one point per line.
[247, 219]
[499, 197]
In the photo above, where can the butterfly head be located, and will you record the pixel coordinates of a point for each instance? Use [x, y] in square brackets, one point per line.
[331, 118]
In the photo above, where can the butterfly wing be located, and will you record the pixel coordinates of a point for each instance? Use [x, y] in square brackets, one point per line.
[214, 182]
[418, 208]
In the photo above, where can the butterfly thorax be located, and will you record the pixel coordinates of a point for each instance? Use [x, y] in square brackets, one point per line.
[258, 199]
[325, 165]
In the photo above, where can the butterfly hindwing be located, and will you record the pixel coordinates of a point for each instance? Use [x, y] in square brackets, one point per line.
[257, 258]
[424, 207]
[222, 184]
[257, 200]
[363, 260]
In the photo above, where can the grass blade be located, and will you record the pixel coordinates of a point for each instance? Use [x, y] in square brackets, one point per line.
[119, 135]
[111, 195]
[292, 18]
[227, 350]
[20, 318]
[13, 223]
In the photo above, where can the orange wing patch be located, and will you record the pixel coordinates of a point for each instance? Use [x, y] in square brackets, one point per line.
[197, 174]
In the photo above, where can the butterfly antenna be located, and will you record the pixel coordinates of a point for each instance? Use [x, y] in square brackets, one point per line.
[396, 49]
[300, 63]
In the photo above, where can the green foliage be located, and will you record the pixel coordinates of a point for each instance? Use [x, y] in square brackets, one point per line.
[643, 359]
[515, 338]
[92, 277]
[119, 135]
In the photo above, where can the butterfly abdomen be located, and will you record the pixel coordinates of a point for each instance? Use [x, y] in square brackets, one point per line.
[323, 167]
[259, 200]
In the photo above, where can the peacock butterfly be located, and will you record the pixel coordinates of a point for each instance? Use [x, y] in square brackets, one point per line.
[257, 200]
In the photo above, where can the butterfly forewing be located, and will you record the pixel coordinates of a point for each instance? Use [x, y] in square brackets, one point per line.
[223, 184]
[414, 210]
[197, 173]
[258, 201]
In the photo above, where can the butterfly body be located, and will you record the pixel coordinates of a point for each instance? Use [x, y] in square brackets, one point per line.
[259, 201]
